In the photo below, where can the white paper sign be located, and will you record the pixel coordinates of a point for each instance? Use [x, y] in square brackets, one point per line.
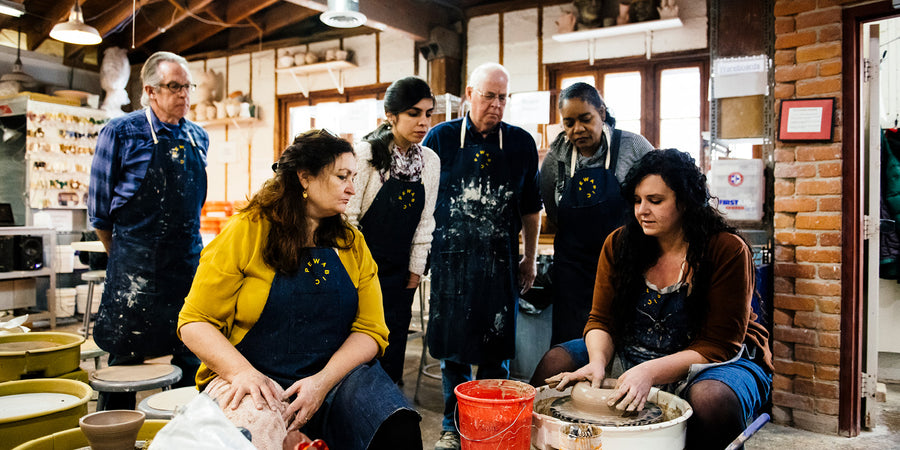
[805, 120]
[528, 108]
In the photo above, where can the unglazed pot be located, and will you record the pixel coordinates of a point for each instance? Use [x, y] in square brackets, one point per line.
[116, 429]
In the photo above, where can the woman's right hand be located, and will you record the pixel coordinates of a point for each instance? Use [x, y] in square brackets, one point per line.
[593, 372]
[262, 390]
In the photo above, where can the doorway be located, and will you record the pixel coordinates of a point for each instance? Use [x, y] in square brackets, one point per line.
[870, 344]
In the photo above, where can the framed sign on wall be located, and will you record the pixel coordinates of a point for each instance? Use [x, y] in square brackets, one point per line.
[806, 120]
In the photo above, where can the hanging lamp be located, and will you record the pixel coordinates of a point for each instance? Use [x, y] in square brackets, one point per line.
[75, 31]
[343, 14]
[17, 74]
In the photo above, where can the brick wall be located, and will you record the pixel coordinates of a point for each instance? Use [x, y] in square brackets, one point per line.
[808, 222]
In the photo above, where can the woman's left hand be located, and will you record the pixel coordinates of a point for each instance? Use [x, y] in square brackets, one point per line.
[310, 395]
[413, 281]
[632, 389]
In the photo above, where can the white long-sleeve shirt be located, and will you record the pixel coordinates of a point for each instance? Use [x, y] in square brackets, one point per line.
[368, 183]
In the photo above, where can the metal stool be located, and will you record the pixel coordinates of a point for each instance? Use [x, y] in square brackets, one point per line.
[92, 277]
[423, 368]
[139, 377]
[162, 405]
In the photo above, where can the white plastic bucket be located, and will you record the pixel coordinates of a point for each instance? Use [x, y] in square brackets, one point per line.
[65, 302]
[81, 297]
[65, 259]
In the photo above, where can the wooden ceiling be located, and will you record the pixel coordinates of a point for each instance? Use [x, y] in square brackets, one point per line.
[196, 27]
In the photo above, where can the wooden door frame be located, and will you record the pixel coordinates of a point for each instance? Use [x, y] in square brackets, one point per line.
[852, 275]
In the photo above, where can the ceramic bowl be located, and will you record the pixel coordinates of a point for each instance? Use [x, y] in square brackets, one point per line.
[115, 429]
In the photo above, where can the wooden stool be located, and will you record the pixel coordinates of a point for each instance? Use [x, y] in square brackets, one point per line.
[162, 405]
[92, 277]
[140, 377]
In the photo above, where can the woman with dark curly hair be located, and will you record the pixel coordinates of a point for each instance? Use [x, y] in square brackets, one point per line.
[672, 307]
[285, 313]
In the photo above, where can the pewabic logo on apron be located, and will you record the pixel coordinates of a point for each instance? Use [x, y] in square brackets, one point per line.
[587, 187]
[316, 267]
[177, 154]
[483, 159]
[406, 198]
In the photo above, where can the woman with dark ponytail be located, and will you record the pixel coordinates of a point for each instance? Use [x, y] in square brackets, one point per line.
[396, 190]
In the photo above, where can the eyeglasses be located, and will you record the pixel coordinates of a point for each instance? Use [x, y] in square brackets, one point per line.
[175, 88]
[491, 96]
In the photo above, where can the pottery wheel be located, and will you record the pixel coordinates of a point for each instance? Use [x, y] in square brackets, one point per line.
[563, 408]
[134, 373]
[22, 346]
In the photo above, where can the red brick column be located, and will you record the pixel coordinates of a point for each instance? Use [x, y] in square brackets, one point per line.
[807, 222]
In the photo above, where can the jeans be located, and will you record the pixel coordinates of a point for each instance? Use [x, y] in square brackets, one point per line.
[454, 374]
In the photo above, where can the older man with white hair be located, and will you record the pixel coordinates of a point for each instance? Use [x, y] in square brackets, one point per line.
[488, 194]
[148, 183]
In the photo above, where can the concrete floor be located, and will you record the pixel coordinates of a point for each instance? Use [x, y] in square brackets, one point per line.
[886, 434]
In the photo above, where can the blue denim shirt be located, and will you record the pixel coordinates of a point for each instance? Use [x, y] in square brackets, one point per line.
[123, 152]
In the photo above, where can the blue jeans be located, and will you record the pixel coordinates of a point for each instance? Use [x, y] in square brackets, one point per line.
[454, 374]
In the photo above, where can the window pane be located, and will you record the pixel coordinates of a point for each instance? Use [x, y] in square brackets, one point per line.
[300, 121]
[566, 82]
[633, 126]
[622, 93]
[679, 93]
[683, 134]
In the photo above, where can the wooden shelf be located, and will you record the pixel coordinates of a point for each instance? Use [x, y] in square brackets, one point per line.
[328, 66]
[236, 121]
[593, 34]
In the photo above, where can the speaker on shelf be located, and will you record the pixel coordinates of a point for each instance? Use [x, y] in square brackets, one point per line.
[7, 260]
[28, 253]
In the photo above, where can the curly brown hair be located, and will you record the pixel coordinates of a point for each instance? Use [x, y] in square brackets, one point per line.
[281, 202]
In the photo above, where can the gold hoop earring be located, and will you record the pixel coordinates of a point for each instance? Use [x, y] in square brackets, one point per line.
[305, 195]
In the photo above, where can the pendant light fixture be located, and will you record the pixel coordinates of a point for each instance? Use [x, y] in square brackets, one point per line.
[17, 74]
[343, 14]
[11, 8]
[75, 31]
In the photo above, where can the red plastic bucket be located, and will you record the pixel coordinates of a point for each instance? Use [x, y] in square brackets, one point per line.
[495, 414]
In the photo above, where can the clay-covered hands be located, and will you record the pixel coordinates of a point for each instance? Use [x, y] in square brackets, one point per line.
[632, 389]
[667, 9]
[262, 390]
[593, 372]
[310, 395]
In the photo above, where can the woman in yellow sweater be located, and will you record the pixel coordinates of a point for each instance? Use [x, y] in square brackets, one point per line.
[285, 312]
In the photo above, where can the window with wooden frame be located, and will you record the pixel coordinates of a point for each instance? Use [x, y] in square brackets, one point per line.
[663, 99]
[351, 114]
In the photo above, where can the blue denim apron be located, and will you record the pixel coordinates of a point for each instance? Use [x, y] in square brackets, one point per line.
[155, 252]
[660, 326]
[472, 316]
[306, 319]
[590, 208]
[389, 226]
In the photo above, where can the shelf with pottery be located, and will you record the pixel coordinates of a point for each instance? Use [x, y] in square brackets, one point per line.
[236, 121]
[593, 34]
[334, 68]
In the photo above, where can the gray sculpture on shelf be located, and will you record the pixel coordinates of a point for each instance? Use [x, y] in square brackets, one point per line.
[114, 73]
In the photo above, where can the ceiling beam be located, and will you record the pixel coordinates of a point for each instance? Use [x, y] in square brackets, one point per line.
[187, 37]
[55, 14]
[161, 19]
[411, 17]
[117, 15]
[274, 19]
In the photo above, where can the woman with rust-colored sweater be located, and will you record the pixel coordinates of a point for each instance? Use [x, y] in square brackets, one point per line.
[672, 308]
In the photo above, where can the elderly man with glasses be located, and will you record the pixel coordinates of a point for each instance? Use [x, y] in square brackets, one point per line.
[148, 183]
[488, 194]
